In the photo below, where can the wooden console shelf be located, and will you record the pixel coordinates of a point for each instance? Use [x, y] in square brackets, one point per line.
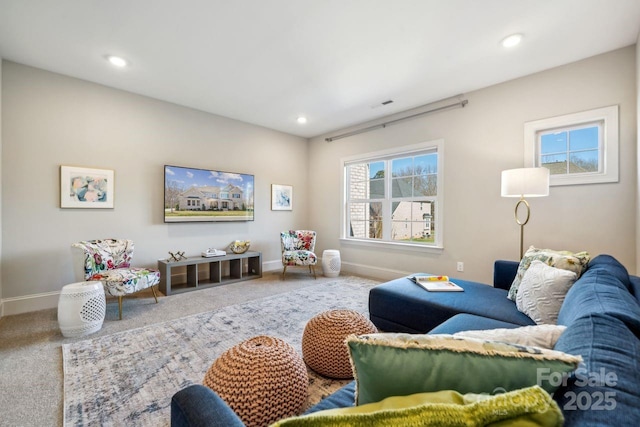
[204, 272]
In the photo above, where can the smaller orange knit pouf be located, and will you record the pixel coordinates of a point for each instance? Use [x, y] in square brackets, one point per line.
[323, 346]
[263, 379]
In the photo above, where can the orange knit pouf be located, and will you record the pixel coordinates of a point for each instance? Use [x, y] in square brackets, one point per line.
[262, 379]
[323, 346]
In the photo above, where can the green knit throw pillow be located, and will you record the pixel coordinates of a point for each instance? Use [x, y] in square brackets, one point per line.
[531, 406]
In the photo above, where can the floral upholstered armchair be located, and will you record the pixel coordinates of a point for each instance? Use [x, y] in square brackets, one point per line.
[297, 249]
[109, 261]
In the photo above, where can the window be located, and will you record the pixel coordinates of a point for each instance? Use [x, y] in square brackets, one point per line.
[395, 196]
[580, 148]
[575, 150]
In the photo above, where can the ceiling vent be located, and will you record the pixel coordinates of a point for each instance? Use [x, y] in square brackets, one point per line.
[390, 101]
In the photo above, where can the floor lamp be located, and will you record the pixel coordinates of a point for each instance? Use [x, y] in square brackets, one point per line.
[524, 182]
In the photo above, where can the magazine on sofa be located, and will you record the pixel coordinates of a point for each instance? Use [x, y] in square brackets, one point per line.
[436, 283]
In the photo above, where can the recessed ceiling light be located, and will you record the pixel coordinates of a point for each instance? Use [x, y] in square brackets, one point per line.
[117, 61]
[302, 120]
[512, 40]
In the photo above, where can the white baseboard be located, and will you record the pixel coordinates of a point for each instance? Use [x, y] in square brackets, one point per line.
[372, 271]
[348, 268]
[272, 266]
[35, 302]
[27, 303]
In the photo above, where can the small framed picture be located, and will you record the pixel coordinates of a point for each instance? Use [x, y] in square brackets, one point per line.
[281, 197]
[86, 188]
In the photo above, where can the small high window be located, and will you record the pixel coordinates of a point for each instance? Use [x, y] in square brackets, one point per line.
[572, 151]
[579, 148]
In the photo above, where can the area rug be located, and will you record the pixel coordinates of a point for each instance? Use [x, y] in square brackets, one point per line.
[128, 378]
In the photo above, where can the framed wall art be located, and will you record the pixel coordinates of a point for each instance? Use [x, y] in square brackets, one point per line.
[281, 197]
[86, 188]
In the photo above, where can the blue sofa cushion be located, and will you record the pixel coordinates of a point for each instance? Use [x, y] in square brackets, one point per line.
[599, 291]
[503, 273]
[605, 389]
[470, 322]
[611, 266]
[402, 306]
[344, 397]
[199, 406]
[635, 287]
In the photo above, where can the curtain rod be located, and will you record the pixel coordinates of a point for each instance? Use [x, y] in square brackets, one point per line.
[460, 104]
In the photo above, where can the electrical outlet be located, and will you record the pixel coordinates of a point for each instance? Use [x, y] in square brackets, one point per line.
[460, 266]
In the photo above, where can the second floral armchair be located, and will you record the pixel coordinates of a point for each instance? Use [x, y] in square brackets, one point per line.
[297, 249]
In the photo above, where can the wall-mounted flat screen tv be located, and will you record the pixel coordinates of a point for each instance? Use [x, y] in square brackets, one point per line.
[207, 195]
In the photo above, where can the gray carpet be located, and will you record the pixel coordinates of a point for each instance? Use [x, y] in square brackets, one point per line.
[31, 392]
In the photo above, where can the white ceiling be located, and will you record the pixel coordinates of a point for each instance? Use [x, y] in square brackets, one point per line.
[268, 61]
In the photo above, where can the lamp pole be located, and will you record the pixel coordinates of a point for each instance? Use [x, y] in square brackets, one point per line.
[522, 223]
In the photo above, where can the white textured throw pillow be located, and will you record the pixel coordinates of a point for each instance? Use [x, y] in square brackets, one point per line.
[543, 336]
[542, 292]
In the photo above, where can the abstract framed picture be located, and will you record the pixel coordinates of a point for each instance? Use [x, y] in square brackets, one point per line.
[86, 188]
[281, 197]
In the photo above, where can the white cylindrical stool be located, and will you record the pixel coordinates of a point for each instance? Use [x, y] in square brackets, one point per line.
[81, 308]
[331, 263]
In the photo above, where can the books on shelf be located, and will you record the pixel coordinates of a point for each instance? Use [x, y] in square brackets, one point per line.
[436, 283]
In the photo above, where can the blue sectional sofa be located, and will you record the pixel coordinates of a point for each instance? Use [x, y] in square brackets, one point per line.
[601, 312]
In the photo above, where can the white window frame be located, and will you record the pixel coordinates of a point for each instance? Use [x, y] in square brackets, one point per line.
[398, 152]
[608, 168]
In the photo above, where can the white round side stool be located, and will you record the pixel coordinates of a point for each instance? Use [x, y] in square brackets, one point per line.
[81, 308]
[331, 263]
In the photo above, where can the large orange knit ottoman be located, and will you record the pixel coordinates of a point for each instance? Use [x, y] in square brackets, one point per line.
[323, 346]
[262, 379]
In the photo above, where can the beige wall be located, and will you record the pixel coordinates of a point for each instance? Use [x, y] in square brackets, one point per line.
[52, 120]
[1, 300]
[638, 155]
[480, 141]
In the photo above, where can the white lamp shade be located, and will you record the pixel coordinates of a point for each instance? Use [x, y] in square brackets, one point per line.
[525, 182]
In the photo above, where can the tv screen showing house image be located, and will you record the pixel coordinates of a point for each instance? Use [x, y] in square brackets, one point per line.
[207, 195]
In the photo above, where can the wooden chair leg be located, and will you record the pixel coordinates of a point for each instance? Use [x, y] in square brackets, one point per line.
[153, 289]
[284, 270]
[312, 269]
[120, 306]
